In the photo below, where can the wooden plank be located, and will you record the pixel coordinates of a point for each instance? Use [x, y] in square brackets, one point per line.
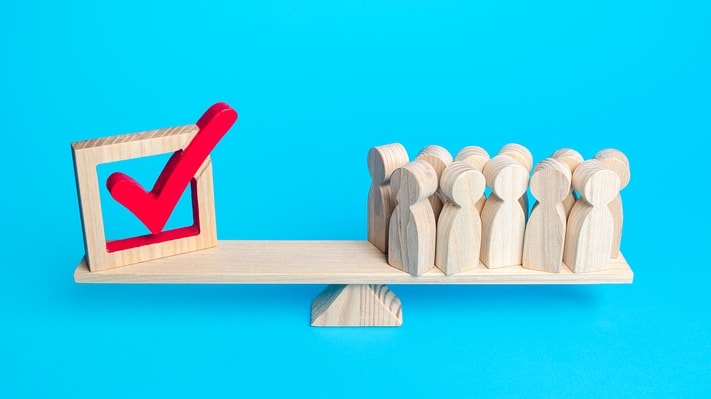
[322, 262]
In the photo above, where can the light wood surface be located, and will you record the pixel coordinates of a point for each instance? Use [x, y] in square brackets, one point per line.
[413, 229]
[322, 262]
[438, 157]
[90, 153]
[503, 221]
[616, 161]
[382, 162]
[356, 305]
[459, 224]
[588, 239]
[477, 157]
[545, 230]
[572, 159]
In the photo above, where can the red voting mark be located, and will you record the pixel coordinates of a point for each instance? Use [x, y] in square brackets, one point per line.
[154, 207]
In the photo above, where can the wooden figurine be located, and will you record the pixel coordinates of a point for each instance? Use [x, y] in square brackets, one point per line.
[545, 230]
[590, 232]
[412, 235]
[524, 157]
[459, 224]
[616, 161]
[382, 162]
[572, 159]
[439, 158]
[476, 157]
[502, 219]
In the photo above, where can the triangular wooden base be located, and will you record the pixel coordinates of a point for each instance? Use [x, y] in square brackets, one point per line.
[356, 305]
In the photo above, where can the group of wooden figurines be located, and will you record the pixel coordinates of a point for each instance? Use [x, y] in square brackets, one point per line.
[433, 211]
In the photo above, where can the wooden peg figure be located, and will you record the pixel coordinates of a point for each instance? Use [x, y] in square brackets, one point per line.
[616, 161]
[572, 159]
[476, 157]
[590, 225]
[503, 221]
[523, 156]
[545, 230]
[412, 235]
[459, 224]
[382, 162]
[439, 158]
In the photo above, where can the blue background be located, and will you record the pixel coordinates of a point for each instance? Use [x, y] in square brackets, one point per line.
[316, 84]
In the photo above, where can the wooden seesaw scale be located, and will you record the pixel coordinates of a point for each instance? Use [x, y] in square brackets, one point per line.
[357, 272]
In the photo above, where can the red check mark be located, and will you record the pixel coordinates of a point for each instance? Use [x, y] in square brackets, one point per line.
[154, 207]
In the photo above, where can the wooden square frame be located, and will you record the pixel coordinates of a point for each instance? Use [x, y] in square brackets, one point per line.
[90, 153]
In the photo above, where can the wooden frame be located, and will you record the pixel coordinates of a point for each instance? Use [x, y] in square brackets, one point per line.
[100, 254]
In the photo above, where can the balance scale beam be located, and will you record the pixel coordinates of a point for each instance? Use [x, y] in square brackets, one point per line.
[356, 271]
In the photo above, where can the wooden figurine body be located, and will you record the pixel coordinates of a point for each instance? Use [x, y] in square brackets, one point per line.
[590, 225]
[476, 157]
[616, 161]
[524, 157]
[572, 159]
[412, 228]
[503, 220]
[382, 162]
[438, 157]
[459, 224]
[545, 230]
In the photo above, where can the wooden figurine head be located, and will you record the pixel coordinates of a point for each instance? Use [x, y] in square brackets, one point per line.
[475, 156]
[414, 182]
[616, 161]
[506, 177]
[436, 156]
[597, 184]
[462, 183]
[551, 181]
[519, 153]
[384, 159]
[571, 157]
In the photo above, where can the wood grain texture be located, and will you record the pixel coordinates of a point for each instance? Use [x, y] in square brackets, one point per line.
[590, 230]
[459, 224]
[524, 157]
[572, 159]
[321, 262]
[545, 231]
[477, 157]
[503, 221]
[438, 157]
[413, 229]
[382, 162]
[88, 154]
[356, 305]
[616, 161]
[123, 146]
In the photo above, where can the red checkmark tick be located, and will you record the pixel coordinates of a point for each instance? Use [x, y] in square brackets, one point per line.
[154, 207]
